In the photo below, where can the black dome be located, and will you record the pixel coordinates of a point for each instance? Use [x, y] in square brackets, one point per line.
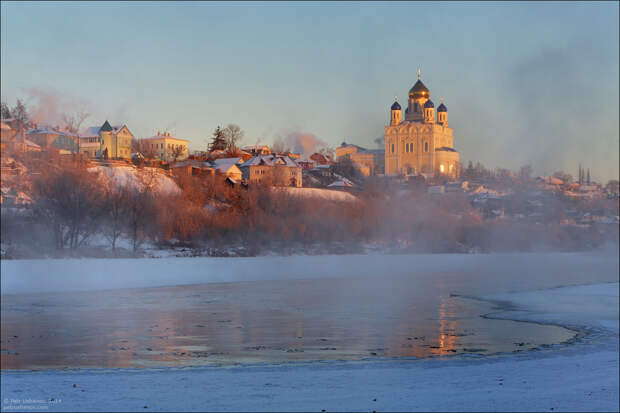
[396, 106]
[429, 104]
[442, 108]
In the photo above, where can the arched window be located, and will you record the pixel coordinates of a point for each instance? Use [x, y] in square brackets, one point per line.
[425, 146]
[392, 148]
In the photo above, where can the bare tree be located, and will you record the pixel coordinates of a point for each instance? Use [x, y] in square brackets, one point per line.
[74, 121]
[69, 200]
[233, 135]
[176, 151]
[115, 217]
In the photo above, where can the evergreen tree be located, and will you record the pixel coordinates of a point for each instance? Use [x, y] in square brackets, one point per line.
[219, 140]
[20, 113]
[5, 112]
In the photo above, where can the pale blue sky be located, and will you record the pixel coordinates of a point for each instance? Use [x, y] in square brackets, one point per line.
[523, 82]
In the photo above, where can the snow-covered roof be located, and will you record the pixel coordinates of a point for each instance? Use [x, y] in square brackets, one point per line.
[31, 144]
[341, 183]
[90, 132]
[193, 163]
[250, 148]
[271, 160]
[50, 130]
[224, 164]
[163, 137]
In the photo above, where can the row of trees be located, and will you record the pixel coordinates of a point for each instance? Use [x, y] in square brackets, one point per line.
[72, 207]
[19, 112]
[75, 205]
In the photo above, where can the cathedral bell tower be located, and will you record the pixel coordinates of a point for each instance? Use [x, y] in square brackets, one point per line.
[442, 114]
[429, 112]
[396, 113]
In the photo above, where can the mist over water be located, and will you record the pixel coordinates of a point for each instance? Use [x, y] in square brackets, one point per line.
[275, 309]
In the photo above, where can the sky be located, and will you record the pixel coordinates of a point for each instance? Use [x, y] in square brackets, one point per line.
[533, 83]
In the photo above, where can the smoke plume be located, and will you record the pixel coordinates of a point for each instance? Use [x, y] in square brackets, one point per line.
[303, 143]
[48, 106]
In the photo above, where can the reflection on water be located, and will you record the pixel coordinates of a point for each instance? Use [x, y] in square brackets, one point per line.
[266, 321]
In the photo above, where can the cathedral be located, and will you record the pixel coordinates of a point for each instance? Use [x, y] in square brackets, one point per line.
[421, 143]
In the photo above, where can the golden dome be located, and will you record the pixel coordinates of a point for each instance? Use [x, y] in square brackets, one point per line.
[419, 91]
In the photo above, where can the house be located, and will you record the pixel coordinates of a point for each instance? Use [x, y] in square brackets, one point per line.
[306, 164]
[191, 167]
[227, 167]
[115, 141]
[90, 142]
[54, 138]
[15, 140]
[6, 131]
[165, 147]
[255, 150]
[342, 184]
[321, 159]
[273, 170]
[365, 159]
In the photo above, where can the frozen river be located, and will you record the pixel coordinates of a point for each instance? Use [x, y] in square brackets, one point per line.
[203, 311]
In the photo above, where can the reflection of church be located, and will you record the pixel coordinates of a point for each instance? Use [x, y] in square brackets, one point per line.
[420, 143]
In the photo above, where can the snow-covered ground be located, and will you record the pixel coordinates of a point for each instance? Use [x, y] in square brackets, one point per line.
[582, 376]
[320, 193]
[136, 178]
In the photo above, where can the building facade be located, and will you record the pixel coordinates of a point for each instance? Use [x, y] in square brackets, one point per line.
[421, 142]
[272, 170]
[365, 159]
[115, 141]
[165, 147]
[54, 138]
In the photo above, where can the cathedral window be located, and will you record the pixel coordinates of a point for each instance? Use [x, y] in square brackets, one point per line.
[392, 148]
[425, 146]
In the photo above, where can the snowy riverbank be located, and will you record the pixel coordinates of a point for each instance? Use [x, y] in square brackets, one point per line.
[582, 376]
